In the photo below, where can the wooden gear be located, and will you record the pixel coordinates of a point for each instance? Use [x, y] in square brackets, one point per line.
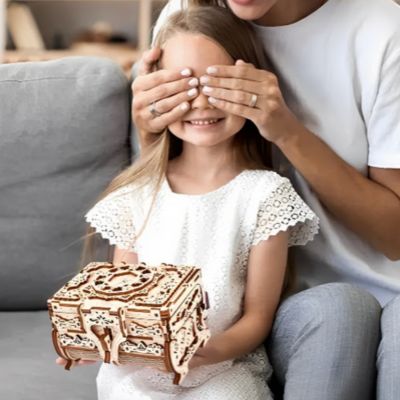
[123, 313]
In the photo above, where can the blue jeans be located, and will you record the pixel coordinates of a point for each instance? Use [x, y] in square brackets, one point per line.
[326, 345]
[388, 361]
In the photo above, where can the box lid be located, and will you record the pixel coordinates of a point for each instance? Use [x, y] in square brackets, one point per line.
[134, 286]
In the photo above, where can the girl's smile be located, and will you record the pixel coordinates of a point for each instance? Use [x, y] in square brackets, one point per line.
[211, 120]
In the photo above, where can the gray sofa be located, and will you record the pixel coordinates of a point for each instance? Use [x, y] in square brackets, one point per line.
[64, 133]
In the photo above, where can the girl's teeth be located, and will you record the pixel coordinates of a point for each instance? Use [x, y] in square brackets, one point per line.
[209, 122]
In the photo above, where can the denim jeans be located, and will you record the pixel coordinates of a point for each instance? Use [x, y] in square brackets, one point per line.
[388, 361]
[324, 341]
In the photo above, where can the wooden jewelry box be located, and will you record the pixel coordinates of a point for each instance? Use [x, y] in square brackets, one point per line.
[121, 313]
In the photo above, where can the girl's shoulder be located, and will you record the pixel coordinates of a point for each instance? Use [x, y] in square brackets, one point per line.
[278, 207]
[121, 202]
[128, 193]
[116, 216]
[263, 182]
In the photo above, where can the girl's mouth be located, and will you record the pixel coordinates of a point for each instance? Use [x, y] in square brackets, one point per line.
[204, 122]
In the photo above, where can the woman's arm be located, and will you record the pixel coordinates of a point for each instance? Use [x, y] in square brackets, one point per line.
[369, 206]
[265, 277]
[168, 90]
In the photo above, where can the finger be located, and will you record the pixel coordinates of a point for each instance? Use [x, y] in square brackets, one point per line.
[166, 105]
[61, 361]
[150, 81]
[234, 84]
[251, 113]
[192, 362]
[241, 62]
[160, 123]
[86, 362]
[238, 71]
[234, 96]
[165, 90]
[149, 58]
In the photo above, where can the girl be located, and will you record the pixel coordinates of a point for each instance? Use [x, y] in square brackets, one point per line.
[204, 195]
[331, 110]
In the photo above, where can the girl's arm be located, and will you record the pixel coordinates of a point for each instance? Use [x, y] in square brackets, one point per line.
[124, 255]
[265, 277]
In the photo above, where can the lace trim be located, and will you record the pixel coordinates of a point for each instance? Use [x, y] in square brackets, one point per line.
[112, 218]
[285, 209]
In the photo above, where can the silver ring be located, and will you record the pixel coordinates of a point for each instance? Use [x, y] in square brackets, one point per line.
[153, 110]
[253, 100]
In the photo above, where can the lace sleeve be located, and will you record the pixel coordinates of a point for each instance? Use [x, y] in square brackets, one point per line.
[285, 209]
[112, 218]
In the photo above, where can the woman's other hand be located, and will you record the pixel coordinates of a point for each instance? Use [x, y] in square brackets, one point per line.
[160, 97]
[243, 90]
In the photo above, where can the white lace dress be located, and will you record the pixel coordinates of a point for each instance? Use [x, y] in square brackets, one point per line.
[214, 231]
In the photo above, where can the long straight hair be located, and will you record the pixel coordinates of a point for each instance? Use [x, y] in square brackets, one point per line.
[238, 39]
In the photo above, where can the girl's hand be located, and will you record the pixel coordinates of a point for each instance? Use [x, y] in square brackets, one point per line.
[61, 361]
[234, 88]
[161, 97]
[209, 354]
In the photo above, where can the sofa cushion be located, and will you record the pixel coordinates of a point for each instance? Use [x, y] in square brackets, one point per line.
[28, 370]
[64, 133]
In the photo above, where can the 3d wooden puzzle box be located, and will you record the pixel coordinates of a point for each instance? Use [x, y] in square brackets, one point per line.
[120, 313]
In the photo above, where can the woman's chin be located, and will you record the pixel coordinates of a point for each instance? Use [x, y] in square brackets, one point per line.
[249, 10]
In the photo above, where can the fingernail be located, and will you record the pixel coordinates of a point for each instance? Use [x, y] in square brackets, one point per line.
[192, 92]
[212, 100]
[186, 72]
[207, 89]
[204, 80]
[212, 70]
[184, 106]
[194, 82]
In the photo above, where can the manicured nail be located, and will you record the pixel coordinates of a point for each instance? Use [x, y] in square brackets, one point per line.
[192, 92]
[186, 72]
[184, 106]
[194, 82]
[212, 70]
[204, 80]
[212, 100]
[207, 89]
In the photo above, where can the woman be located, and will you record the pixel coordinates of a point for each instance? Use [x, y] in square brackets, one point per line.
[331, 109]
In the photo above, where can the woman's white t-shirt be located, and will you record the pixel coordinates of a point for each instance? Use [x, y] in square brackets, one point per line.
[339, 70]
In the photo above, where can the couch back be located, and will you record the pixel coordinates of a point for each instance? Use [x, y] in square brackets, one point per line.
[64, 133]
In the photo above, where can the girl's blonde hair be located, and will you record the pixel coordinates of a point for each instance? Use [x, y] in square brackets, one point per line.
[238, 39]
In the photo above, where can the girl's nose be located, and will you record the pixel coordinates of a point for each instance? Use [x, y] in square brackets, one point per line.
[200, 101]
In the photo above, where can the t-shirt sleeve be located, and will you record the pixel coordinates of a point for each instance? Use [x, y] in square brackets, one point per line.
[383, 126]
[281, 210]
[112, 219]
